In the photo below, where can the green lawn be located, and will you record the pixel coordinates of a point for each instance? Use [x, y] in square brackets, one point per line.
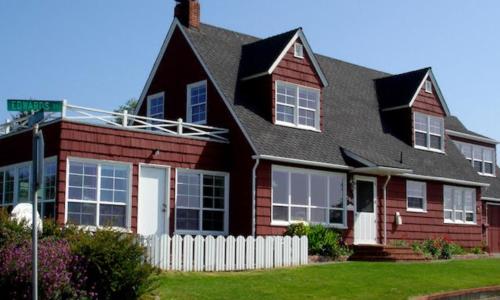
[351, 280]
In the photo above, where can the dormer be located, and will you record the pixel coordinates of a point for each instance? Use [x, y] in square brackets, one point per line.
[414, 107]
[283, 75]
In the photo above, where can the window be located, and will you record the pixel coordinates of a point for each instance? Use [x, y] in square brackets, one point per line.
[298, 50]
[459, 205]
[481, 158]
[297, 106]
[98, 193]
[429, 132]
[156, 104]
[416, 196]
[428, 86]
[15, 183]
[201, 202]
[312, 196]
[197, 103]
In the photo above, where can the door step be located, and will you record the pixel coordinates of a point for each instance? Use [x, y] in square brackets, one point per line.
[385, 253]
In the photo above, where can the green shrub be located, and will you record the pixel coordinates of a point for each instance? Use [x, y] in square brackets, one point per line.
[299, 229]
[438, 248]
[477, 250]
[114, 262]
[399, 244]
[11, 231]
[322, 241]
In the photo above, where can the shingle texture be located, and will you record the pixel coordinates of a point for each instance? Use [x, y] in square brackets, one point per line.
[398, 90]
[453, 123]
[352, 118]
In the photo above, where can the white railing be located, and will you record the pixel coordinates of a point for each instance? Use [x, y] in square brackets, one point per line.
[124, 120]
[219, 254]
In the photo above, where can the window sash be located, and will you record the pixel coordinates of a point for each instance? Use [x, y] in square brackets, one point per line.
[481, 155]
[200, 208]
[153, 103]
[191, 105]
[428, 131]
[98, 202]
[309, 206]
[297, 107]
[459, 205]
[416, 190]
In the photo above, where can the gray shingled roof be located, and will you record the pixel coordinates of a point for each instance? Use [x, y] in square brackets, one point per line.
[453, 123]
[398, 90]
[352, 118]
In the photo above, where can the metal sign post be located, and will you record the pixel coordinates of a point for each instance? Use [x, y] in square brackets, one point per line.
[37, 169]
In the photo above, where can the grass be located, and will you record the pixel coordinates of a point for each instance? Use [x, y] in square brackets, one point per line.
[351, 280]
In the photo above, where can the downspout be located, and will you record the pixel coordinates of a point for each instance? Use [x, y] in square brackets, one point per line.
[385, 207]
[254, 193]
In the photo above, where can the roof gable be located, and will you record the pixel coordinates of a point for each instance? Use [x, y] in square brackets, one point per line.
[262, 57]
[401, 90]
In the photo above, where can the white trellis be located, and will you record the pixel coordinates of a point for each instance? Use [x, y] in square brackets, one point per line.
[209, 254]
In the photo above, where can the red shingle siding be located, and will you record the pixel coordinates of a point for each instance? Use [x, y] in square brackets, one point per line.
[93, 142]
[428, 103]
[298, 71]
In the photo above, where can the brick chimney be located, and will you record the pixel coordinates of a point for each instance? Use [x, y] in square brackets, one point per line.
[188, 13]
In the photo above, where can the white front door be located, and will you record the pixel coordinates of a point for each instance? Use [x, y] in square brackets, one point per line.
[365, 214]
[152, 207]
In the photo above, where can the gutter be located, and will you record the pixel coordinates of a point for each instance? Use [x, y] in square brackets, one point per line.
[382, 171]
[445, 180]
[471, 137]
[385, 207]
[302, 162]
[254, 193]
[490, 199]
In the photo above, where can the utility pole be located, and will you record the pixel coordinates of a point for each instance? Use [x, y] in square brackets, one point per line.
[36, 182]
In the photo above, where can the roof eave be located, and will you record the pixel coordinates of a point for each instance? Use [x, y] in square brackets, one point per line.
[471, 137]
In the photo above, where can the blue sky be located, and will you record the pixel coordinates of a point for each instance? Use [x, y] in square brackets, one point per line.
[99, 53]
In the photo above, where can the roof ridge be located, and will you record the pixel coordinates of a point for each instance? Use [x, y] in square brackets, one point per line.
[408, 72]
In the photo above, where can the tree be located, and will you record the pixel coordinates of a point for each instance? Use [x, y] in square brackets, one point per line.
[129, 106]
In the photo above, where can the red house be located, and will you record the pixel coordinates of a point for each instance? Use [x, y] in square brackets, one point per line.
[265, 133]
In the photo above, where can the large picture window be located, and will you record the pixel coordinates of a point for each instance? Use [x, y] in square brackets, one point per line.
[416, 196]
[197, 102]
[459, 205]
[307, 195]
[481, 158]
[201, 202]
[429, 132]
[98, 193]
[15, 183]
[297, 105]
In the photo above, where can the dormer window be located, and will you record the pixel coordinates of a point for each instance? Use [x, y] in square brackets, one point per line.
[197, 102]
[481, 158]
[429, 132]
[299, 50]
[297, 106]
[156, 106]
[428, 86]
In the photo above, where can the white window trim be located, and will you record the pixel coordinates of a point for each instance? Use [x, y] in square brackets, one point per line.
[296, 47]
[226, 203]
[428, 133]
[151, 97]
[428, 86]
[128, 204]
[413, 209]
[307, 172]
[188, 102]
[463, 190]
[296, 108]
[483, 149]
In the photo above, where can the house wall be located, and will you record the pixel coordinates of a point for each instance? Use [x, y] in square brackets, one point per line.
[298, 71]
[428, 103]
[415, 227]
[180, 67]
[95, 142]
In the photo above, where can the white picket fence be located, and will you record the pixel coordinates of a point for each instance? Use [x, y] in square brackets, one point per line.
[218, 254]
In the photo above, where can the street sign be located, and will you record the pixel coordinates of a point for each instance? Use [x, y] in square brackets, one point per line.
[36, 118]
[34, 105]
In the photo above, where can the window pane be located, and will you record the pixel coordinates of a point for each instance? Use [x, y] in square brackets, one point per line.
[488, 168]
[188, 190]
[319, 215]
[319, 190]
[285, 114]
[198, 101]
[336, 191]
[299, 189]
[82, 213]
[364, 196]
[48, 210]
[478, 153]
[421, 139]
[9, 186]
[416, 189]
[458, 203]
[488, 155]
[280, 187]
[280, 213]
[49, 188]
[112, 215]
[336, 216]
[436, 126]
[469, 200]
[308, 98]
[299, 214]
[213, 220]
[421, 122]
[188, 219]
[307, 117]
[469, 217]
[448, 200]
[1, 187]
[436, 142]
[23, 187]
[415, 203]
[478, 166]
[448, 215]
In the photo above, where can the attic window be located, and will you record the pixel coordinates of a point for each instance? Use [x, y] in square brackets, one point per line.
[428, 86]
[298, 50]
[429, 132]
[297, 106]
